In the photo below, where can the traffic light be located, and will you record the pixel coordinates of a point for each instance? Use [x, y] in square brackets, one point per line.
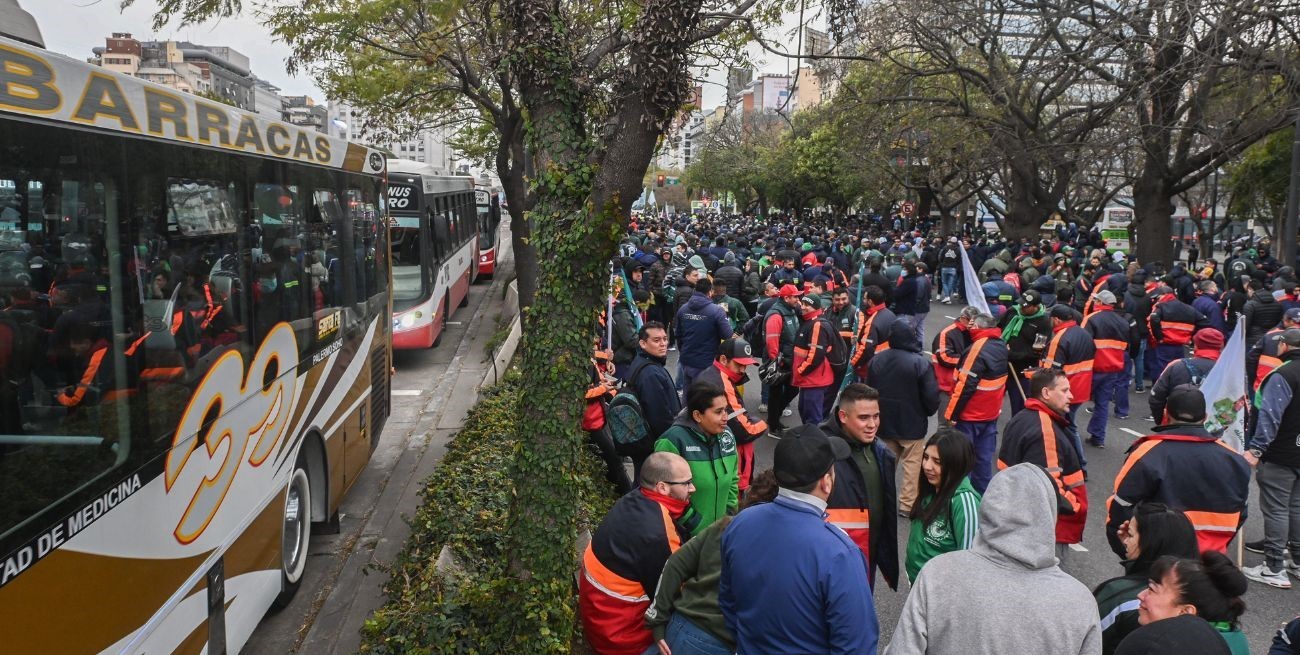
[659, 180]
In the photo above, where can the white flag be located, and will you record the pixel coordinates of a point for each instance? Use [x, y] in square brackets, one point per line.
[1225, 392]
[971, 283]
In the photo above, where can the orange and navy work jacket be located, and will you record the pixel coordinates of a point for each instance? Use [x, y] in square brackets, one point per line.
[1040, 436]
[949, 347]
[1110, 336]
[1072, 351]
[981, 379]
[1172, 322]
[620, 570]
[812, 346]
[1268, 361]
[1186, 468]
[872, 337]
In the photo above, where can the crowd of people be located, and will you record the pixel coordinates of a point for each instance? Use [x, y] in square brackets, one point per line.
[832, 316]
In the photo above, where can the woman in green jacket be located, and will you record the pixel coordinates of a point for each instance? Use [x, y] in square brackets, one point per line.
[685, 616]
[701, 437]
[947, 515]
[1209, 587]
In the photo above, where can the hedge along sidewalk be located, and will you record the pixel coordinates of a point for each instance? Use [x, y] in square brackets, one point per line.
[357, 589]
[445, 589]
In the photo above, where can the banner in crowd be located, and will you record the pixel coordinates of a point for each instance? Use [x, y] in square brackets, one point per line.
[971, 284]
[1225, 392]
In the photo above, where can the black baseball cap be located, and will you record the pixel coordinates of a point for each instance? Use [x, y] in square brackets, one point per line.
[1186, 404]
[1289, 336]
[1032, 297]
[738, 350]
[804, 455]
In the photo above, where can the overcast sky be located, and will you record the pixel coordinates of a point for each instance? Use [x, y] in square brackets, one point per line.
[73, 27]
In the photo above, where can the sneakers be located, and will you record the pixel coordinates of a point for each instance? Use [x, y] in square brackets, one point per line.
[1089, 409]
[1096, 443]
[1121, 416]
[1267, 576]
[1149, 419]
[1288, 561]
[1140, 389]
[762, 408]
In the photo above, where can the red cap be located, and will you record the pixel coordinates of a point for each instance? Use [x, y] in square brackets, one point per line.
[1208, 339]
[790, 291]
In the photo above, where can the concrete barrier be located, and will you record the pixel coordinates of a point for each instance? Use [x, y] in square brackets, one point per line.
[505, 353]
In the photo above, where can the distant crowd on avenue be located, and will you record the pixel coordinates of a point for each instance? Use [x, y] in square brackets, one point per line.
[704, 554]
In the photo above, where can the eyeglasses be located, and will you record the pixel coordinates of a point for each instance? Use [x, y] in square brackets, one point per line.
[684, 484]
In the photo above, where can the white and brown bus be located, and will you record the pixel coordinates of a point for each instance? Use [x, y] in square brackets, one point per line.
[194, 357]
[435, 250]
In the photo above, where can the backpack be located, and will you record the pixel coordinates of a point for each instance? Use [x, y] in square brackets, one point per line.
[752, 330]
[1197, 376]
[624, 416]
[838, 354]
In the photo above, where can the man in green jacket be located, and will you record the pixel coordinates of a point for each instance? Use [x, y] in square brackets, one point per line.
[700, 435]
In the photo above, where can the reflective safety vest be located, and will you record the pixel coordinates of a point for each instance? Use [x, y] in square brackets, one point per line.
[1072, 351]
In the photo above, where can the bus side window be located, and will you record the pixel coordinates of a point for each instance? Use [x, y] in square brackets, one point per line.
[280, 285]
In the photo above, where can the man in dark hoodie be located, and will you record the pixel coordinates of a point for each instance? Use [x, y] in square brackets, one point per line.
[700, 326]
[909, 396]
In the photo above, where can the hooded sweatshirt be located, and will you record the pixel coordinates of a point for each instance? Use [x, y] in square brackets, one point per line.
[714, 469]
[1006, 594]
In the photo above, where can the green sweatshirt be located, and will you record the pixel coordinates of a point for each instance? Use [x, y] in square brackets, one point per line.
[689, 586]
[954, 530]
[714, 469]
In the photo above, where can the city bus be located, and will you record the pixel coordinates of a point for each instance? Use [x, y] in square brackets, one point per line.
[435, 248]
[487, 202]
[194, 357]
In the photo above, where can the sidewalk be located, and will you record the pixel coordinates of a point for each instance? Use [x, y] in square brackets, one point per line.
[357, 589]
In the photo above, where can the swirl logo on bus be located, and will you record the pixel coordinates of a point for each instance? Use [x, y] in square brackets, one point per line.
[249, 412]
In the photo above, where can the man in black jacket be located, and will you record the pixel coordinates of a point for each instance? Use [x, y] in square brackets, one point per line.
[1027, 330]
[909, 396]
[863, 499]
[654, 388]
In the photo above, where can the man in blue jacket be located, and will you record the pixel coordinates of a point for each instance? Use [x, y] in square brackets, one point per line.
[802, 592]
[700, 326]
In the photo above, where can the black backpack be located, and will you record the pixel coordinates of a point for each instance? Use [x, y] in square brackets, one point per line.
[838, 354]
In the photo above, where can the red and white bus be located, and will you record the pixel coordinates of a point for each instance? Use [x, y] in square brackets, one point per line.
[435, 248]
[486, 201]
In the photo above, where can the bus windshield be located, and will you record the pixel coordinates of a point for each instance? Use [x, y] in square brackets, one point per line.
[412, 263]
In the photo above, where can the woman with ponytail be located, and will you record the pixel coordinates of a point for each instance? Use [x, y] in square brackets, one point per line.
[1185, 602]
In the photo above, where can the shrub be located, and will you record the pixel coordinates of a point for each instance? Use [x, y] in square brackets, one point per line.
[464, 509]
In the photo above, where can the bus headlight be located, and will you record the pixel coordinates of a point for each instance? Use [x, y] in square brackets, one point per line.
[408, 320]
[482, 259]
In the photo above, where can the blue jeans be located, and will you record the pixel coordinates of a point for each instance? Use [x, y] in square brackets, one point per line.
[686, 638]
[1105, 388]
[949, 277]
[1075, 436]
[984, 437]
[812, 404]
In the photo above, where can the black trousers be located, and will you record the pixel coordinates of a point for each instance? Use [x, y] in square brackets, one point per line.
[614, 471]
[779, 397]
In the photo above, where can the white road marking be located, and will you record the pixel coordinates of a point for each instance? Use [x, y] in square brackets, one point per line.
[1133, 432]
[1078, 548]
[406, 392]
[951, 318]
[454, 323]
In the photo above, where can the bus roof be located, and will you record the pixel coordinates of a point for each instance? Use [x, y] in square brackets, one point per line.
[49, 86]
[432, 177]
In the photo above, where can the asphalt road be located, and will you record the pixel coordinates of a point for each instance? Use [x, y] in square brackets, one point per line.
[1091, 562]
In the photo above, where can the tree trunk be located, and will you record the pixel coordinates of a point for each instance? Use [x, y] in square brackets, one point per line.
[1152, 210]
[1024, 217]
[512, 167]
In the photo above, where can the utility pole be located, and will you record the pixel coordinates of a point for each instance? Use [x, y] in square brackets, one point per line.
[1289, 226]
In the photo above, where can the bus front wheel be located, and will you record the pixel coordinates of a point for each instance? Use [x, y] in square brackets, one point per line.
[296, 532]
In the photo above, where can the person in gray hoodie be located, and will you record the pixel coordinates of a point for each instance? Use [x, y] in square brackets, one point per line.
[1006, 594]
